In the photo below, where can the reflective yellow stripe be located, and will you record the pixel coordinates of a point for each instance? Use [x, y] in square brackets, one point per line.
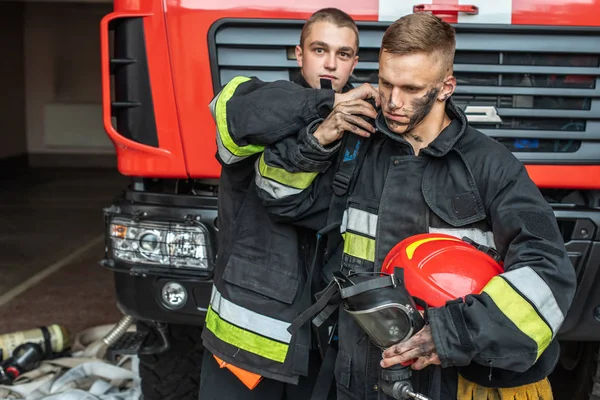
[359, 246]
[221, 119]
[297, 180]
[244, 339]
[531, 286]
[520, 312]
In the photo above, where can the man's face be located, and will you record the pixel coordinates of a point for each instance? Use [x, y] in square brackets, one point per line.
[329, 52]
[409, 87]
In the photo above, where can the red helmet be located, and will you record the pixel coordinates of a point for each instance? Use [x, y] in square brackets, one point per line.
[439, 268]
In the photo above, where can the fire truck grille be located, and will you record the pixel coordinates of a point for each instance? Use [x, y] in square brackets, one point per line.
[536, 90]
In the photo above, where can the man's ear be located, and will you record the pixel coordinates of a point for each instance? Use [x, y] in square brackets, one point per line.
[448, 87]
[299, 56]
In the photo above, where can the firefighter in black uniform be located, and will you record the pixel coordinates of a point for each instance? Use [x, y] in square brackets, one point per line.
[260, 274]
[425, 170]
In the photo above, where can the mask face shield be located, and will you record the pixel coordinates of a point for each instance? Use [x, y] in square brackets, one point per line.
[386, 324]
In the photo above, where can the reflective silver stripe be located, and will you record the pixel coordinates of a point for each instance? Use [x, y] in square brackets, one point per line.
[249, 320]
[533, 288]
[479, 236]
[359, 221]
[275, 189]
[226, 155]
[212, 106]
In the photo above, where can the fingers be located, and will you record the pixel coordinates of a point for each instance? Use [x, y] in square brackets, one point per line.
[388, 362]
[419, 345]
[409, 355]
[378, 100]
[403, 347]
[396, 349]
[363, 92]
[348, 117]
[351, 125]
[372, 93]
[368, 92]
[359, 122]
[339, 122]
[411, 358]
[357, 107]
[425, 361]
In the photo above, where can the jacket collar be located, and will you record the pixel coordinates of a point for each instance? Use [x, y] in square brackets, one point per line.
[302, 82]
[445, 140]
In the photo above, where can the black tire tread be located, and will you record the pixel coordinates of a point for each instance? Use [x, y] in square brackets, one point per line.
[175, 373]
[595, 393]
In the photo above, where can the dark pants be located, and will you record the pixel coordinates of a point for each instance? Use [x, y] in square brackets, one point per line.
[221, 384]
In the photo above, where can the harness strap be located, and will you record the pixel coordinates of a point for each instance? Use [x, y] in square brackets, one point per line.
[326, 376]
[325, 295]
[376, 283]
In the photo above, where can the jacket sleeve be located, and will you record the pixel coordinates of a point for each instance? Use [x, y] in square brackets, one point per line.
[519, 312]
[251, 114]
[294, 179]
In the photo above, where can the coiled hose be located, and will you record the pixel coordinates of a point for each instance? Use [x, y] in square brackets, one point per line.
[119, 330]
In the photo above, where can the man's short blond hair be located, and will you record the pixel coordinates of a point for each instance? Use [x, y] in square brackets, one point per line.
[332, 15]
[421, 33]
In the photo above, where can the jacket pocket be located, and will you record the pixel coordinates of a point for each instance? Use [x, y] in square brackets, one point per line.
[343, 369]
[261, 279]
[450, 191]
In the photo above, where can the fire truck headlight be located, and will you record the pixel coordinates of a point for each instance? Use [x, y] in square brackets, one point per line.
[168, 244]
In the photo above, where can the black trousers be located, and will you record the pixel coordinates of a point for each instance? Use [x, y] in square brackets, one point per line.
[221, 384]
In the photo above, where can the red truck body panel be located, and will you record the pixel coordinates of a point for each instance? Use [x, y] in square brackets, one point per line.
[181, 79]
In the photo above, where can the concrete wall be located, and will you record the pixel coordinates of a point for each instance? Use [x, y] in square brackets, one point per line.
[62, 79]
[12, 82]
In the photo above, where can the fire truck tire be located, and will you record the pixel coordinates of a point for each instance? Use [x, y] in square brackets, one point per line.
[595, 393]
[580, 381]
[175, 373]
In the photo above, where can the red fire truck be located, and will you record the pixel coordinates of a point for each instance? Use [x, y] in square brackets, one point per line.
[528, 75]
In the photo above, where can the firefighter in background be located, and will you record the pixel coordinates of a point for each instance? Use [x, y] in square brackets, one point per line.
[260, 272]
[426, 170]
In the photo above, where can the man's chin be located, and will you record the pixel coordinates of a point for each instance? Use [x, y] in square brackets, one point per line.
[338, 87]
[396, 127]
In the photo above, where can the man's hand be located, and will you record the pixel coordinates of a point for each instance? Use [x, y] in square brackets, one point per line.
[346, 116]
[363, 92]
[419, 347]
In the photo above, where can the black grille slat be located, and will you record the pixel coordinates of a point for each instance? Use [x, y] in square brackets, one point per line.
[117, 106]
[551, 59]
[539, 102]
[543, 84]
[524, 69]
[116, 63]
[527, 90]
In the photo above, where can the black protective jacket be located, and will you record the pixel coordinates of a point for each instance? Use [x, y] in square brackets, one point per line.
[462, 184]
[261, 265]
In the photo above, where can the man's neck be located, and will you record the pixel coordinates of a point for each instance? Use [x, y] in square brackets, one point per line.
[428, 130]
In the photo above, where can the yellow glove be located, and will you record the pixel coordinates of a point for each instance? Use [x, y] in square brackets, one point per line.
[534, 391]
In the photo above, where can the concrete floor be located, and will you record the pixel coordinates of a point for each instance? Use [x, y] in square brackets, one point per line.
[51, 240]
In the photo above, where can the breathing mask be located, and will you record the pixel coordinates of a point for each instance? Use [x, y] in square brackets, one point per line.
[382, 307]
